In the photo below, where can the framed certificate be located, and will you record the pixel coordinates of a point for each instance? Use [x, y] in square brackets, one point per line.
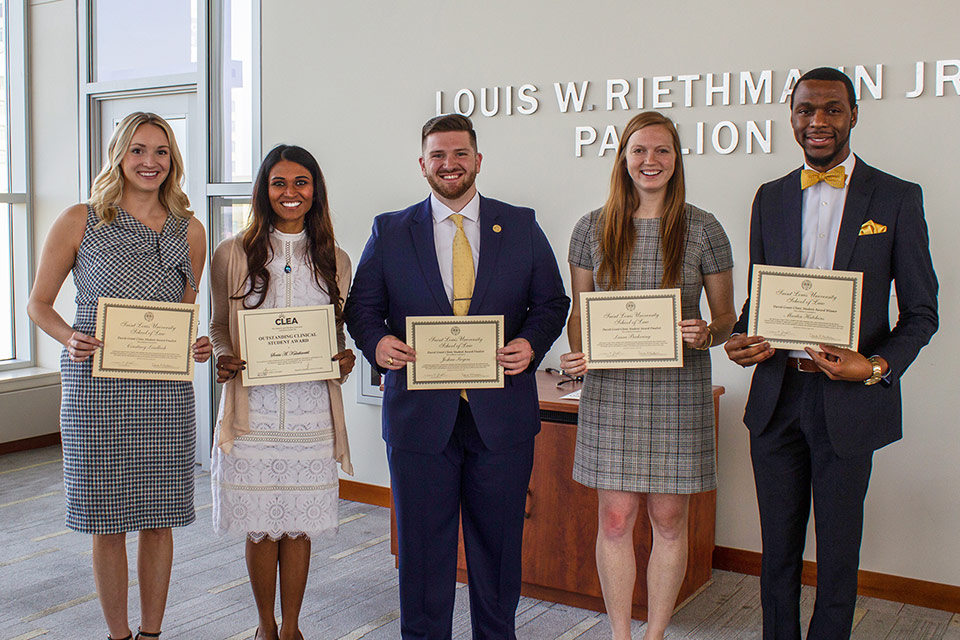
[291, 344]
[795, 308]
[455, 352]
[631, 329]
[145, 340]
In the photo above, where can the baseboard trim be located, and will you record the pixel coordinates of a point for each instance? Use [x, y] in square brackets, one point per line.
[365, 493]
[36, 442]
[921, 593]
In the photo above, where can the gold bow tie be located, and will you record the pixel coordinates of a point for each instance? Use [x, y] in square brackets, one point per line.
[836, 177]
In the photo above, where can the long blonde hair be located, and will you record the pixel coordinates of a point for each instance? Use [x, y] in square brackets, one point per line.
[107, 188]
[617, 234]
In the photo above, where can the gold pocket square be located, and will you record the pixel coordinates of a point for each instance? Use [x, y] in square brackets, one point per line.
[870, 227]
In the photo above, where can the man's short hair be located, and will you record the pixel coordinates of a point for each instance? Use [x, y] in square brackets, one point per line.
[832, 75]
[448, 122]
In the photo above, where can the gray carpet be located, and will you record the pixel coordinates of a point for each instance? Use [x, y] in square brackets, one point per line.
[46, 582]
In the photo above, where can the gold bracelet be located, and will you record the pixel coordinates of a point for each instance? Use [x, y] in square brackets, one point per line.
[709, 342]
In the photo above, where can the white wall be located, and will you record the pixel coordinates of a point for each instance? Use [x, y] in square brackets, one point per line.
[353, 82]
[56, 147]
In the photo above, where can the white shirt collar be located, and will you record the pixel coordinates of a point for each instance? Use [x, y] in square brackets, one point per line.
[847, 165]
[470, 211]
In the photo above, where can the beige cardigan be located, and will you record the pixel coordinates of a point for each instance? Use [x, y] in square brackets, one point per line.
[227, 276]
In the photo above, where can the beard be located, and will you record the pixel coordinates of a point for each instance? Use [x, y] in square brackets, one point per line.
[827, 162]
[455, 190]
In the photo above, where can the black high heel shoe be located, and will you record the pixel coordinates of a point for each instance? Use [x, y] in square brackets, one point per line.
[129, 637]
[146, 634]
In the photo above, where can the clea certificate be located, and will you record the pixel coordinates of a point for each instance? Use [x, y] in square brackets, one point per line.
[145, 340]
[795, 308]
[455, 352]
[631, 329]
[291, 344]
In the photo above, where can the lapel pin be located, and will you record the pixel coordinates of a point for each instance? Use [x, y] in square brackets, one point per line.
[497, 228]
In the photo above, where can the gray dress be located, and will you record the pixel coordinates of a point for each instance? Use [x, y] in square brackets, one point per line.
[129, 446]
[651, 430]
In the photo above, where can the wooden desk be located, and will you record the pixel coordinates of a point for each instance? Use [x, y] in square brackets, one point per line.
[559, 536]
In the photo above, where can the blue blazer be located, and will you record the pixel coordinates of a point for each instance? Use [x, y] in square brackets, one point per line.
[517, 276]
[860, 419]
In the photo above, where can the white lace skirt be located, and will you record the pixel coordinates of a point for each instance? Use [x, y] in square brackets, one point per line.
[281, 478]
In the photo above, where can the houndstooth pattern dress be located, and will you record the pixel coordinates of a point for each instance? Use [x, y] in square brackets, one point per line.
[128, 445]
[651, 430]
[281, 478]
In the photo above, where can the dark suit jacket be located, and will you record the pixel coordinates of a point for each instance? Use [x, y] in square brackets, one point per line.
[517, 276]
[860, 419]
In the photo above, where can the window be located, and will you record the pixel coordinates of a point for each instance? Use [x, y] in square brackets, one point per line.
[197, 64]
[233, 107]
[15, 335]
[230, 215]
[127, 46]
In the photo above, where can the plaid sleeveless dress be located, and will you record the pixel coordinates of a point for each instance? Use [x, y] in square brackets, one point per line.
[128, 445]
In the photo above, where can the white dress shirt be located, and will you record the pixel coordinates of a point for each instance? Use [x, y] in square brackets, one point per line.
[822, 213]
[443, 231]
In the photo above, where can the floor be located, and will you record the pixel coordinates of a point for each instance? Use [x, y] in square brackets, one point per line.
[46, 584]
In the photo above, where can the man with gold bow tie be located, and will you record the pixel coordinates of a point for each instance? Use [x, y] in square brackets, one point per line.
[816, 416]
[457, 456]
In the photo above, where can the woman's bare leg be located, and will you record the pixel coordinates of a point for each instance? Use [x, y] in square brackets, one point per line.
[110, 577]
[294, 566]
[154, 561]
[668, 559]
[262, 567]
[616, 561]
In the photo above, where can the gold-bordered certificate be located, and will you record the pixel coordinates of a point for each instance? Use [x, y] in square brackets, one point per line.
[455, 352]
[145, 340]
[795, 308]
[631, 329]
[291, 344]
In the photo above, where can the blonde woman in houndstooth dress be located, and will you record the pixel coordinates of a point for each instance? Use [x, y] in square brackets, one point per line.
[648, 432]
[128, 445]
[274, 469]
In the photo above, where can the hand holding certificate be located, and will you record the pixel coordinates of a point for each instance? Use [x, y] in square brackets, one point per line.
[292, 344]
[145, 340]
[632, 329]
[795, 308]
[455, 352]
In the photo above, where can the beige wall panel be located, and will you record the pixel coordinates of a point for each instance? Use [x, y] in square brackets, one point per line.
[30, 413]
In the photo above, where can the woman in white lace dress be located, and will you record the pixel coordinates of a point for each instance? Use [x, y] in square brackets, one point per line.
[274, 465]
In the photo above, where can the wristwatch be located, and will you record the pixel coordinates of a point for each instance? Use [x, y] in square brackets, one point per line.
[877, 371]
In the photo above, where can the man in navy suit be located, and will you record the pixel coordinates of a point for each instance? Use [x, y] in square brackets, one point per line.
[456, 456]
[816, 416]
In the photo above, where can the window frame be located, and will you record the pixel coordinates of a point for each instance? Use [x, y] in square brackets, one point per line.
[18, 195]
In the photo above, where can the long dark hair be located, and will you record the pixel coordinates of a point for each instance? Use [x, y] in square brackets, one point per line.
[617, 234]
[321, 247]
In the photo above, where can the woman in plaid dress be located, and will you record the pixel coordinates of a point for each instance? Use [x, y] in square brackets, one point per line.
[274, 469]
[648, 432]
[128, 445]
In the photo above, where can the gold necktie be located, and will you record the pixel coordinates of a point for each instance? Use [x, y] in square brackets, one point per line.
[836, 177]
[463, 275]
